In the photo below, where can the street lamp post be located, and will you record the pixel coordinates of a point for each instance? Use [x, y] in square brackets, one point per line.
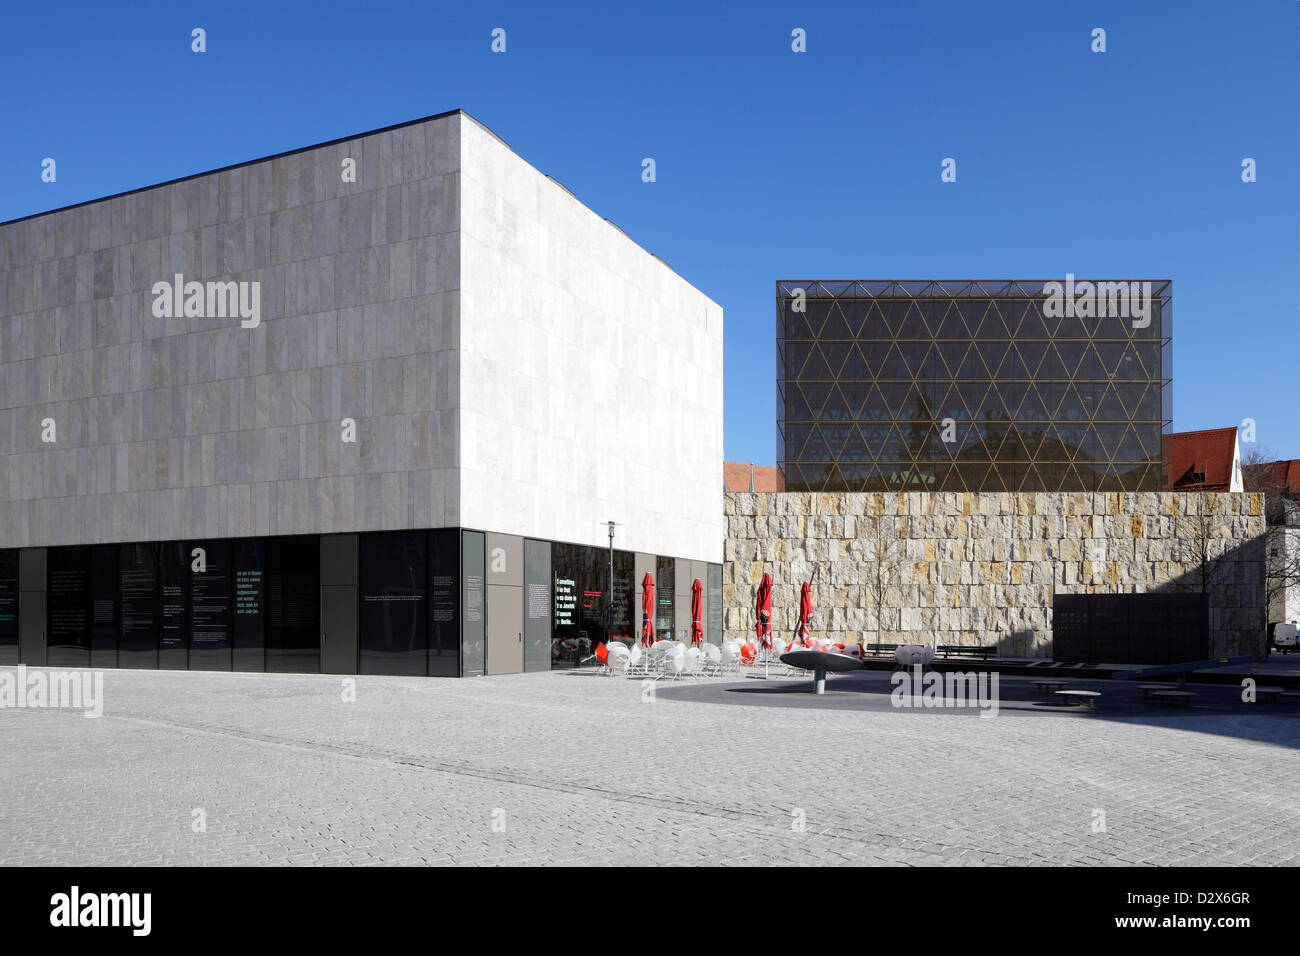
[609, 606]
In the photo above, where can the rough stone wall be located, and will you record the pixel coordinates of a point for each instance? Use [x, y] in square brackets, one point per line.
[982, 568]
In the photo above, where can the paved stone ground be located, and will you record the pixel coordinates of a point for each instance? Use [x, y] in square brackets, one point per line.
[581, 770]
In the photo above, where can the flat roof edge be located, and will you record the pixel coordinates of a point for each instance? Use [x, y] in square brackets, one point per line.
[247, 162]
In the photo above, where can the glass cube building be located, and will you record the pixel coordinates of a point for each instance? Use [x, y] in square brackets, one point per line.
[973, 385]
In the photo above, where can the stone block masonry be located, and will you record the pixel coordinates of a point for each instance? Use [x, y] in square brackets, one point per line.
[981, 569]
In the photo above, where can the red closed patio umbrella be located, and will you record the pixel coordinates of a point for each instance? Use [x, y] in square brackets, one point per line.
[763, 612]
[647, 609]
[697, 629]
[802, 633]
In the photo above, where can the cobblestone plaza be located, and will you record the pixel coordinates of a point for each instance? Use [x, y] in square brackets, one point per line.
[569, 767]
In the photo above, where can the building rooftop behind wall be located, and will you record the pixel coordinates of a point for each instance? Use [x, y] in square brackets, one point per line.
[742, 477]
[1201, 460]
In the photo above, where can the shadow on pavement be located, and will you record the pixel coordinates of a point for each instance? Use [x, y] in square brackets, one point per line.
[1215, 709]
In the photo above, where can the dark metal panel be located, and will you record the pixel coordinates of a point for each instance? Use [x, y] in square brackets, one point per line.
[31, 626]
[338, 629]
[338, 560]
[31, 569]
[1152, 628]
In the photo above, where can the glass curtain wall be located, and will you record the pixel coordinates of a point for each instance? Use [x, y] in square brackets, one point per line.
[665, 583]
[583, 611]
[968, 386]
[68, 603]
[394, 602]
[444, 603]
[8, 606]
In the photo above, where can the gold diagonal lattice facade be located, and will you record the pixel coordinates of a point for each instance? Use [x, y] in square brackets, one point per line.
[973, 385]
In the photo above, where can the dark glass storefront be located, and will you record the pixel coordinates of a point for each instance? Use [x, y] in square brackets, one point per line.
[665, 581]
[68, 601]
[584, 613]
[293, 604]
[208, 566]
[444, 603]
[581, 586]
[394, 603]
[969, 386]
[8, 607]
[254, 604]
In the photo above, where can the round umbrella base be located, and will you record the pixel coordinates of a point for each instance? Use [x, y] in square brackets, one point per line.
[819, 662]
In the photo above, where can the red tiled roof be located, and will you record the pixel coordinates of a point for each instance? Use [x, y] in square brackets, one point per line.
[766, 478]
[1199, 461]
[1280, 474]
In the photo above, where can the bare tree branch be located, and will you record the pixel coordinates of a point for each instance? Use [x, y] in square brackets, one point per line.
[882, 572]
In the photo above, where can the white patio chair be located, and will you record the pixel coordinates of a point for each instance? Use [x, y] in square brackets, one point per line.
[636, 660]
[673, 661]
[620, 659]
[711, 660]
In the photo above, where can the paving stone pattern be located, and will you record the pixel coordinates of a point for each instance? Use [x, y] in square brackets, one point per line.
[582, 770]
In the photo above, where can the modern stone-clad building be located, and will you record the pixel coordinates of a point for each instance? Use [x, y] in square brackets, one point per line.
[361, 407]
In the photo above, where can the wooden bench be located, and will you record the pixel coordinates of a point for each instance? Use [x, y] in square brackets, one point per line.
[1049, 686]
[879, 649]
[1174, 698]
[1149, 689]
[1079, 698]
[961, 650]
[1267, 695]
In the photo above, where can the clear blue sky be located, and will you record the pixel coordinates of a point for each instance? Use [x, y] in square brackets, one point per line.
[771, 164]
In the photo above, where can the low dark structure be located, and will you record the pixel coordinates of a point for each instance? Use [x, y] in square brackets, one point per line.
[1130, 628]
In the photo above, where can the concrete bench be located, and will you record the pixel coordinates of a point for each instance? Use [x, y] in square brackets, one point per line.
[1174, 698]
[1083, 698]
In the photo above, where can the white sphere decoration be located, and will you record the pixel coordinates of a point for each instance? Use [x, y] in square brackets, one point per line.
[911, 654]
